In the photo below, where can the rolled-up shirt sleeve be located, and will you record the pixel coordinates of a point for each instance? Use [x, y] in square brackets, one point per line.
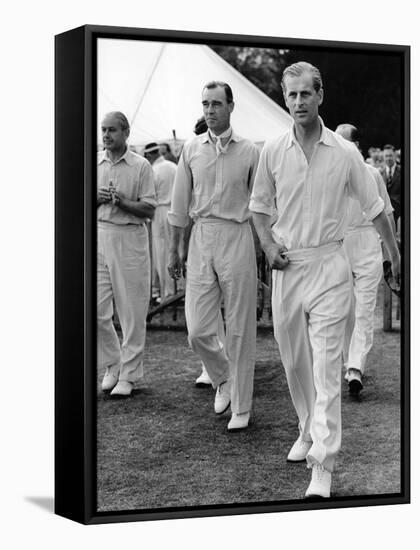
[181, 193]
[362, 187]
[264, 190]
[147, 187]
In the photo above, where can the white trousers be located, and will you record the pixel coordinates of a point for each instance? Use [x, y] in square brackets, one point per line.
[365, 255]
[222, 264]
[123, 274]
[311, 302]
[160, 249]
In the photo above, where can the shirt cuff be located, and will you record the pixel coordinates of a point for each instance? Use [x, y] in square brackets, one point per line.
[178, 220]
[375, 210]
[260, 208]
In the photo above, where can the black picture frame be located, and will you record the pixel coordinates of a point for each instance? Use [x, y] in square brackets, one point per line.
[75, 269]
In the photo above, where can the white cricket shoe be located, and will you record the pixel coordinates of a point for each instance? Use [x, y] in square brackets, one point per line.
[204, 380]
[222, 398]
[122, 389]
[110, 379]
[320, 485]
[239, 421]
[299, 450]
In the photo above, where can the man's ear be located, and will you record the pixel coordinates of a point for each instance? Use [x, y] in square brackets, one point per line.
[321, 96]
[231, 106]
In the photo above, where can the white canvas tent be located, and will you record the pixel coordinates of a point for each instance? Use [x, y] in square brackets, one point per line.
[158, 86]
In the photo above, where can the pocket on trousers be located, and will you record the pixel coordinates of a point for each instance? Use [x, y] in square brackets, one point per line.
[336, 269]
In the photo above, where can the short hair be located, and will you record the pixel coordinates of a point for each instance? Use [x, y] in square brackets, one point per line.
[218, 83]
[122, 119]
[167, 146]
[389, 146]
[297, 69]
[352, 130]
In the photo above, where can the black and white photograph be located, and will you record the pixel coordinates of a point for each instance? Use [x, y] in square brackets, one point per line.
[191, 407]
[250, 223]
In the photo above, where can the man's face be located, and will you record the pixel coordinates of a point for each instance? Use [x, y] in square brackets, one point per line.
[389, 157]
[216, 109]
[113, 137]
[301, 98]
[376, 154]
[152, 156]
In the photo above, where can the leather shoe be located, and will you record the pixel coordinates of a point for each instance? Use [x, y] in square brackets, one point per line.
[299, 450]
[222, 398]
[320, 485]
[354, 379]
[239, 421]
[110, 379]
[203, 381]
[122, 389]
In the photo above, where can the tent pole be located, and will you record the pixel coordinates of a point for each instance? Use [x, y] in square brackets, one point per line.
[152, 72]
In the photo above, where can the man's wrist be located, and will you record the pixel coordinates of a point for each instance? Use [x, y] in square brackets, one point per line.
[395, 255]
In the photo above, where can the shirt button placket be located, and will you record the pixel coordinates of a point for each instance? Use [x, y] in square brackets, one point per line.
[306, 202]
[306, 207]
[218, 186]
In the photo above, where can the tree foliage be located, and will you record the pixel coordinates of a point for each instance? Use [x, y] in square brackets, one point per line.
[362, 88]
[262, 66]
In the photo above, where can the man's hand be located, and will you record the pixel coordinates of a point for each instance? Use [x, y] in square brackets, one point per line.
[276, 256]
[104, 195]
[116, 197]
[175, 265]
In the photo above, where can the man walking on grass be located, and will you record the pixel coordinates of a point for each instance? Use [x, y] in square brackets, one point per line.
[309, 174]
[164, 175]
[125, 199]
[363, 249]
[212, 186]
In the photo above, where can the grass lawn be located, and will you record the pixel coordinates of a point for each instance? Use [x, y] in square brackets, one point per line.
[165, 447]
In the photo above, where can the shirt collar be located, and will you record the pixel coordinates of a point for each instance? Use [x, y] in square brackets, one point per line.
[324, 138]
[127, 157]
[207, 138]
[226, 134]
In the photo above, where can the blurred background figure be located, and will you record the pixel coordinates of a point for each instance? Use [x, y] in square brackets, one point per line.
[391, 173]
[167, 154]
[375, 157]
[164, 175]
[363, 249]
